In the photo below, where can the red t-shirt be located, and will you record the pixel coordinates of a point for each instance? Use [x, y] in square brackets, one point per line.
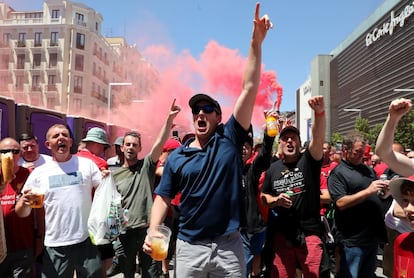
[327, 168]
[404, 256]
[19, 231]
[380, 169]
[100, 162]
[323, 185]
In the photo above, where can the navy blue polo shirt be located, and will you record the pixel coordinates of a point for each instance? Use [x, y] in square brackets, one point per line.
[209, 180]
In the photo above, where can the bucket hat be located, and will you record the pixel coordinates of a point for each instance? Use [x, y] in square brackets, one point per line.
[97, 135]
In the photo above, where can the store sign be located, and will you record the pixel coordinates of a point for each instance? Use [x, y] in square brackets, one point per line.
[389, 26]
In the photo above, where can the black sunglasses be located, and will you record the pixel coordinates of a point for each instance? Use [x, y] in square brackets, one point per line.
[10, 150]
[206, 109]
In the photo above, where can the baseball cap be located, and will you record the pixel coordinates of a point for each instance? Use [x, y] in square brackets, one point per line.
[119, 141]
[97, 135]
[199, 97]
[289, 128]
[171, 144]
[395, 187]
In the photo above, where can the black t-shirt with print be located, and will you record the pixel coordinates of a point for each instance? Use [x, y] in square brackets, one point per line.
[303, 178]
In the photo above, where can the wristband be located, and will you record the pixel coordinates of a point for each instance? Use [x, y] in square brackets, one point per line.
[320, 114]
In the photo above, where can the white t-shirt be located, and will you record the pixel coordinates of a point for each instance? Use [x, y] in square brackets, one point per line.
[43, 158]
[68, 198]
[395, 223]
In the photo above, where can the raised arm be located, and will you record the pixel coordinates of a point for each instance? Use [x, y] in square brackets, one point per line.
[244, 106]
[398, 162]
[164, 133]
[317, 103]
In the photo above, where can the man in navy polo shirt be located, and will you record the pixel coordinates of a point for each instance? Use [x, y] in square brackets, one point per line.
[207, 170]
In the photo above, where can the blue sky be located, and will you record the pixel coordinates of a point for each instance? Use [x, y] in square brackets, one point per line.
[303, 29]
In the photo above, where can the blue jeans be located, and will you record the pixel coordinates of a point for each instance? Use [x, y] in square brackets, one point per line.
[252, 245]
[358, 261]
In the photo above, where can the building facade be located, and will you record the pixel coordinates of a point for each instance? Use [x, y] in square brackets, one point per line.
[58, 59]
[369, 69]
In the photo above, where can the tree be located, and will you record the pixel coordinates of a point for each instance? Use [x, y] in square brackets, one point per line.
[336, 138]
[405, 131]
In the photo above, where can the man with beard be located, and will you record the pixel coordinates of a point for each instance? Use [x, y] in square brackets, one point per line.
[292, 190]
[135, 180]
[207, 170]
[67, 182]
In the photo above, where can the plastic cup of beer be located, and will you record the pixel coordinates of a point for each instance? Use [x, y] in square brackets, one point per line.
[36, 197]
[160, 238]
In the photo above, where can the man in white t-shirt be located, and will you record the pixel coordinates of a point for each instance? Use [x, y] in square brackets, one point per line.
[67, 182]
[29, 152]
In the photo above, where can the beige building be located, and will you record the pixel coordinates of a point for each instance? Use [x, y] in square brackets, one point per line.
[57, 58]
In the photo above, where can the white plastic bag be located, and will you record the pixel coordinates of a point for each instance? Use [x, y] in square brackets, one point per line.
[105, 217]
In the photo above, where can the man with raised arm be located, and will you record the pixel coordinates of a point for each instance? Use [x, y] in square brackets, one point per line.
[207, 170]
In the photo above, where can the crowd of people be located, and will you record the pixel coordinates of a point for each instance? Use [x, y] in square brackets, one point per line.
[235, 209]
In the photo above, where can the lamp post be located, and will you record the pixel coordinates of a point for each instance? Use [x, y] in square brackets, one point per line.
[354, 110]
[403, 90]
[110, 94]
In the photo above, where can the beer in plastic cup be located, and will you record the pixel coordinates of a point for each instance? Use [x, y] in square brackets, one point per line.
[36, 197]
[160, 239]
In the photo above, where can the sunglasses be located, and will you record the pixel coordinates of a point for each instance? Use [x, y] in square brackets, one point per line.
[206, 109]
[10, 150]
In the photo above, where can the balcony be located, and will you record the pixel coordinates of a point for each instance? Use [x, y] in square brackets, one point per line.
[51, 88]
[36, 88]
[77, 90]
[21, 44]
[81, 23]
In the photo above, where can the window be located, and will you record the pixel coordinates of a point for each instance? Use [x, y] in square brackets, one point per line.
[38, 39]
[6, 39]
[79, 62]
[96, 26]
[80, 41]
[77, 86]
[79, 19]
[94, 68]
[36, 83]
[51, 102]
[54, 38]
[51, 80]
[19, 82]
[20, 61]
[77, 104]
[55, 13]
[22, 40]
[52, 60]
[37, 58]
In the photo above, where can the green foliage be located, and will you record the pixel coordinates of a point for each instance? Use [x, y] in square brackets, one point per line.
[405, 131]
[336, 138]
[403, 134]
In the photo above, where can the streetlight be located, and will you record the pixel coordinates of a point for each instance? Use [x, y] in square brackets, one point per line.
[110, 94]
[354, 110]
[403, 90]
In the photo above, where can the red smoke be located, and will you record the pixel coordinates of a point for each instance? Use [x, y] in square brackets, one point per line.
[218, 72]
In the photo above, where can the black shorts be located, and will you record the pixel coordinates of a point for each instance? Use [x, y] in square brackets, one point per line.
[106, 251]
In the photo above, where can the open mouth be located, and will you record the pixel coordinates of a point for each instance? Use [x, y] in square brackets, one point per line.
[202, 123]
[62, 145]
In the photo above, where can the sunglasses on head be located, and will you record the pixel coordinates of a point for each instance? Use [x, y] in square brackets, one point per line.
[10, 150]
[206, 109]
